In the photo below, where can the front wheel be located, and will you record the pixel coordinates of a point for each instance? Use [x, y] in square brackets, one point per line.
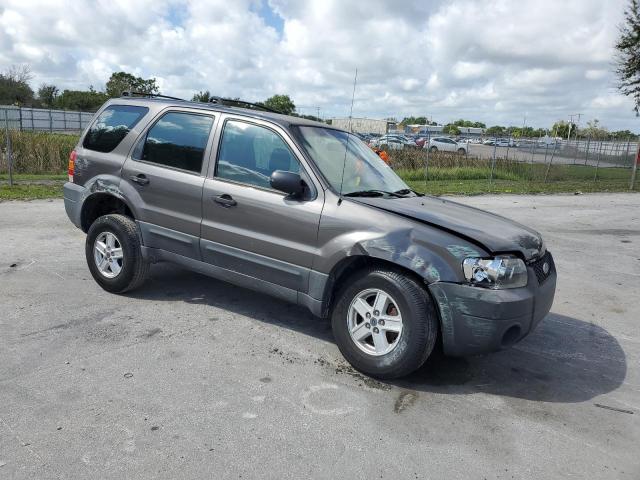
[462, 151]
[114, 253]
[433, 149]
[384, 323]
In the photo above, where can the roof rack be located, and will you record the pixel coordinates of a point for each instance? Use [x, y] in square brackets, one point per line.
[229, 102]
[155, 95]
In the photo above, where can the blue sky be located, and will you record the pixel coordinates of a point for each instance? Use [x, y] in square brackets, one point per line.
[270, 17]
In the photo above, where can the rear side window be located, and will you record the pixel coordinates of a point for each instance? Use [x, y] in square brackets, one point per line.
[177, 140]
[111, 126]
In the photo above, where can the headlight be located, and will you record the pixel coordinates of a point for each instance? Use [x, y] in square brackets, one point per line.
[499, 272]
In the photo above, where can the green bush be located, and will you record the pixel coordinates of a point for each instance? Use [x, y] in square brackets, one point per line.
[37, 152]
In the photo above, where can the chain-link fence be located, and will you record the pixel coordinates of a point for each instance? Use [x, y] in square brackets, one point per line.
[520, 164]
[38, 141]
[43, 120]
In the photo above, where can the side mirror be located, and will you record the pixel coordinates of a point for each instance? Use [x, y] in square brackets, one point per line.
[287, 182]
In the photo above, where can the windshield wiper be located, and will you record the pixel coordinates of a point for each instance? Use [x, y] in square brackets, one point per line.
[373, 193]
[407, 191]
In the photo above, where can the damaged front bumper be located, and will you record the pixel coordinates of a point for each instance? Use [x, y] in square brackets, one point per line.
[479, 320]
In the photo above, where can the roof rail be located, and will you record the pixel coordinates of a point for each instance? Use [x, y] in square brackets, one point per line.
[155, 95]
[230, 102]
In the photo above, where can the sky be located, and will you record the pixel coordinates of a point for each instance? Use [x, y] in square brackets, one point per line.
[499, 62]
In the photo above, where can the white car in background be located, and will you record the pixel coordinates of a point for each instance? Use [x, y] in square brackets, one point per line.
[445, 145]
[394, 142]
[506, 142]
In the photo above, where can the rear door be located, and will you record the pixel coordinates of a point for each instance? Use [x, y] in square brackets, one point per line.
[247, 226]
[164, 176]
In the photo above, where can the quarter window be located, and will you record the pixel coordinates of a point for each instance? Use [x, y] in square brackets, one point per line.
[177, 140]
[111, 126]
[251, 153]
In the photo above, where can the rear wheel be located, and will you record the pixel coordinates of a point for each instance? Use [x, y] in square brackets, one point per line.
[114, 253]
[384, 323]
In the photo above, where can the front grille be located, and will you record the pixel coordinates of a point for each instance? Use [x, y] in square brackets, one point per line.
[538, 267]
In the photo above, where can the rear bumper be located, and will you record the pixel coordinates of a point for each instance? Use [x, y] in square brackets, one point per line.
[73, 198]
[478, 320]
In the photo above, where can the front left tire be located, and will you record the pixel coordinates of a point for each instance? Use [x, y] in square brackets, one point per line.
[384, 323]
[114, 253]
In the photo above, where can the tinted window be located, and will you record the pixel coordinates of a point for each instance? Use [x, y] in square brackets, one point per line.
[250, 154]
[111, 126]
[177, 140]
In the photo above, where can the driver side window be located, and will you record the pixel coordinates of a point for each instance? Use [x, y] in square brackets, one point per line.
[251, 153]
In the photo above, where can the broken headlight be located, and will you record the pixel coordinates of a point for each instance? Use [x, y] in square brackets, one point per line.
[498, 272]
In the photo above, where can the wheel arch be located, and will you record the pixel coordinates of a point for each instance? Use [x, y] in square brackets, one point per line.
[349, 266]
[102, 203]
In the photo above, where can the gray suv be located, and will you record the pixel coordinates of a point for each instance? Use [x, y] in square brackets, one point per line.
[307, 213]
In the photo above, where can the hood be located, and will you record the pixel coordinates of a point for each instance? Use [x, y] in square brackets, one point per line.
[494, 233]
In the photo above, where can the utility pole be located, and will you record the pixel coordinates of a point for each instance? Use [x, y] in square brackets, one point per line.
[571, 124]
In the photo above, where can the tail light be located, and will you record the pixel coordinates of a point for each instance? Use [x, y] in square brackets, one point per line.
[72, 164]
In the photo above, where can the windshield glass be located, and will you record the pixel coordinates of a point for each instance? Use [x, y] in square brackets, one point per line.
[363, 169]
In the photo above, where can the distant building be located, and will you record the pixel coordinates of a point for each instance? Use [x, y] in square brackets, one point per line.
[437, 129]
[363, 125]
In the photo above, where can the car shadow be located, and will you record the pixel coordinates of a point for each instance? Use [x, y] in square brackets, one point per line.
[564, 360]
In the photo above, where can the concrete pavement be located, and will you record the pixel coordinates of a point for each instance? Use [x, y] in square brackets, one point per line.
[189, 377]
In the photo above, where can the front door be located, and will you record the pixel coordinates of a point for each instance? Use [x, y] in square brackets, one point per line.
[165, 175]
[247, 226]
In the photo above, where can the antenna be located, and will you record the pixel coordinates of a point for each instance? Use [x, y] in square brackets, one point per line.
[346, 147]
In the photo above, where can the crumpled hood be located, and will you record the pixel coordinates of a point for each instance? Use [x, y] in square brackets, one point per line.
[495, 233]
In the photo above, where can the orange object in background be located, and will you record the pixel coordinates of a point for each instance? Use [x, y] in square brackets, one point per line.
[382, 154]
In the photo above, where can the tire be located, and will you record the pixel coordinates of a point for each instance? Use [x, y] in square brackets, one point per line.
[433, 149]
[134, 268]
[462, 151]
[419, 320]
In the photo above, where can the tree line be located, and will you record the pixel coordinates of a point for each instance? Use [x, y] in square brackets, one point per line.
[15, 90]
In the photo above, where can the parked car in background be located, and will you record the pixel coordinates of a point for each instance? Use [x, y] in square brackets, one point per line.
[506, 142]
[501, 142]
[446, 145]
[420, 141]
[395, 142]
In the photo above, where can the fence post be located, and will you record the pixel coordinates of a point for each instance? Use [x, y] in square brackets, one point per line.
[9, 152]
[634, 169]
[50, 122]
[64, 119]
[493, 162]
[426, 167]
[575, 158]
[20, 115]
[595, 175]
[546, 174]
[586, 157]
[79, 121]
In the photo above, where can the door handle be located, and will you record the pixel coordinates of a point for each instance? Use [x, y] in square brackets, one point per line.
[225, 200]
[140, 179]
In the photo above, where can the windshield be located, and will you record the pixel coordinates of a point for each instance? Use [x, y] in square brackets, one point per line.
[363, 169]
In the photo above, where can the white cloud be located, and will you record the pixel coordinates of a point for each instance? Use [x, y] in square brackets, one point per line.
[459, 58]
